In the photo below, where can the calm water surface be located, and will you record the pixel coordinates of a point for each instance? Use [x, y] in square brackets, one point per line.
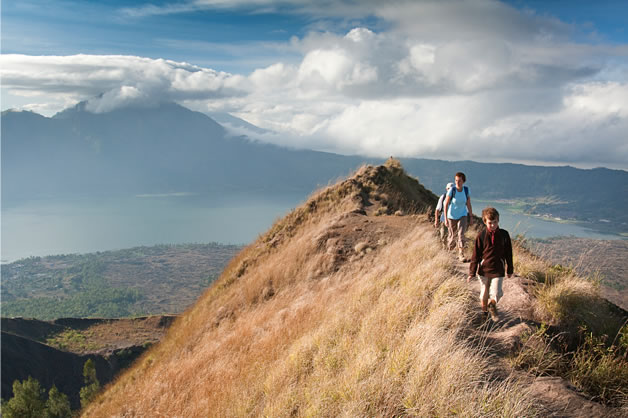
[81, 226]
[536, 227]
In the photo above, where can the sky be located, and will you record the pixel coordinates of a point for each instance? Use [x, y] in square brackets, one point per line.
[524, 81]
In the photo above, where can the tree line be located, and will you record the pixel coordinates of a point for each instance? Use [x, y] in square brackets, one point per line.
[29, 398]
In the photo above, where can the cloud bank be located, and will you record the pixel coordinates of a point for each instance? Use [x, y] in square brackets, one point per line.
[109, 82]
[451, 80]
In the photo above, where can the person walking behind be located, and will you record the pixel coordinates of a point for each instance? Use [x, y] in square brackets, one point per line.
[491, 261]
[439, 215]
[459, 214]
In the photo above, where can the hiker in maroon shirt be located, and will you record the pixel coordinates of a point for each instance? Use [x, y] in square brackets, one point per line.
[491, 261]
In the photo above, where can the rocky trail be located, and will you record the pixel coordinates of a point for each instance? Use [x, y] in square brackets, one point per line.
[557, 397]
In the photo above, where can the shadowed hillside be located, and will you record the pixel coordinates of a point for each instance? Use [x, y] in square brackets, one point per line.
[348, 307]
[54, 352]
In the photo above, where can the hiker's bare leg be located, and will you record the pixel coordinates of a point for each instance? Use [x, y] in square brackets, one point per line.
[496, 291]
[492, 309]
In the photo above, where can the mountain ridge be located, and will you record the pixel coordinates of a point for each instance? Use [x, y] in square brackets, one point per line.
[346, 306]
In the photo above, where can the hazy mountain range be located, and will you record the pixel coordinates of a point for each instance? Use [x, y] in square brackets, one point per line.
[168, 148]
[163, 149]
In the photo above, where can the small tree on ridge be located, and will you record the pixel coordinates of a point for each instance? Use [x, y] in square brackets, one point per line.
[92, 385]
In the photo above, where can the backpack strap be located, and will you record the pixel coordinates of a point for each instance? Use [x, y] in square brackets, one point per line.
[466, 192]
[505, 235]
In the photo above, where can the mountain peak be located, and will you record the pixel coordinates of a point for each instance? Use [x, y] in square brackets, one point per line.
[159, 107]
[373, 190]
[20, 113]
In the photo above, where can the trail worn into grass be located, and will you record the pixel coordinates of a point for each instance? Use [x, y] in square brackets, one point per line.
[344, 307]
[556, 396]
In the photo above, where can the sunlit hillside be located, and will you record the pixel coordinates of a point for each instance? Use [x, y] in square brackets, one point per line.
[348, 306]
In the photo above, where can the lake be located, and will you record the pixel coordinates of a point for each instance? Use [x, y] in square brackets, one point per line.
[87, 225]
[536, 227]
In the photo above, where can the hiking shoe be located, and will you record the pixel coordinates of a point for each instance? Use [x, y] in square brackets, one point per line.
[462, 258]
[492, 308]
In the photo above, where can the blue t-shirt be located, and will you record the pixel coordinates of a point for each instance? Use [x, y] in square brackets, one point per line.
[458, 204]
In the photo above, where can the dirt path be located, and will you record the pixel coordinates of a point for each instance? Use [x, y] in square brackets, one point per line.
[557, 398]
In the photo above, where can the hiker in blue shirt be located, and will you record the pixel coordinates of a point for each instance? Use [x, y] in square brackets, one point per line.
[459, 214]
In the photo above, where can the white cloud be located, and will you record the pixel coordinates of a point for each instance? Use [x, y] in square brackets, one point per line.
[110, 81]
[457, 80]
[113, 99]
[334, 70]
[273, 77]
[590, 128]
[320, 8]
[446, 21]
[599, 99]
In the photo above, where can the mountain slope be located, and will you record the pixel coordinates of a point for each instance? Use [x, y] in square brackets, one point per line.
[167, 148]
[160, 149]
[339, 309]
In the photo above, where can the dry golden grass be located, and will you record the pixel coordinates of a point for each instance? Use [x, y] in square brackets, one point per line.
[565, 299]
[291, 330]
[383, 337]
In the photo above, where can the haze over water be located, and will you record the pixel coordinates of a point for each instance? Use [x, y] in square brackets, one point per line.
[54, 227]
[80, 226]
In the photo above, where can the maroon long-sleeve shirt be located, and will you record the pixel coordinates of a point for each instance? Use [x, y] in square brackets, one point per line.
[492, 259]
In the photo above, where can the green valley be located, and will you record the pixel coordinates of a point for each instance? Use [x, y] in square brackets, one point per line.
[112, 284]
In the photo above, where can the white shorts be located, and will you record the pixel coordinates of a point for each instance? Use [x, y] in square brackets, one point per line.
[494, 285]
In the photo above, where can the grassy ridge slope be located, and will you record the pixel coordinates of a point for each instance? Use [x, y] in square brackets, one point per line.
[340, 309]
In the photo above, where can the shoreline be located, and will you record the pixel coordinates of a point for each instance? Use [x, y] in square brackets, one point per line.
[514, 207]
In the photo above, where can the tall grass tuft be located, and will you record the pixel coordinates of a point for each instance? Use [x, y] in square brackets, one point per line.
[601, 370]
[596, 367]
